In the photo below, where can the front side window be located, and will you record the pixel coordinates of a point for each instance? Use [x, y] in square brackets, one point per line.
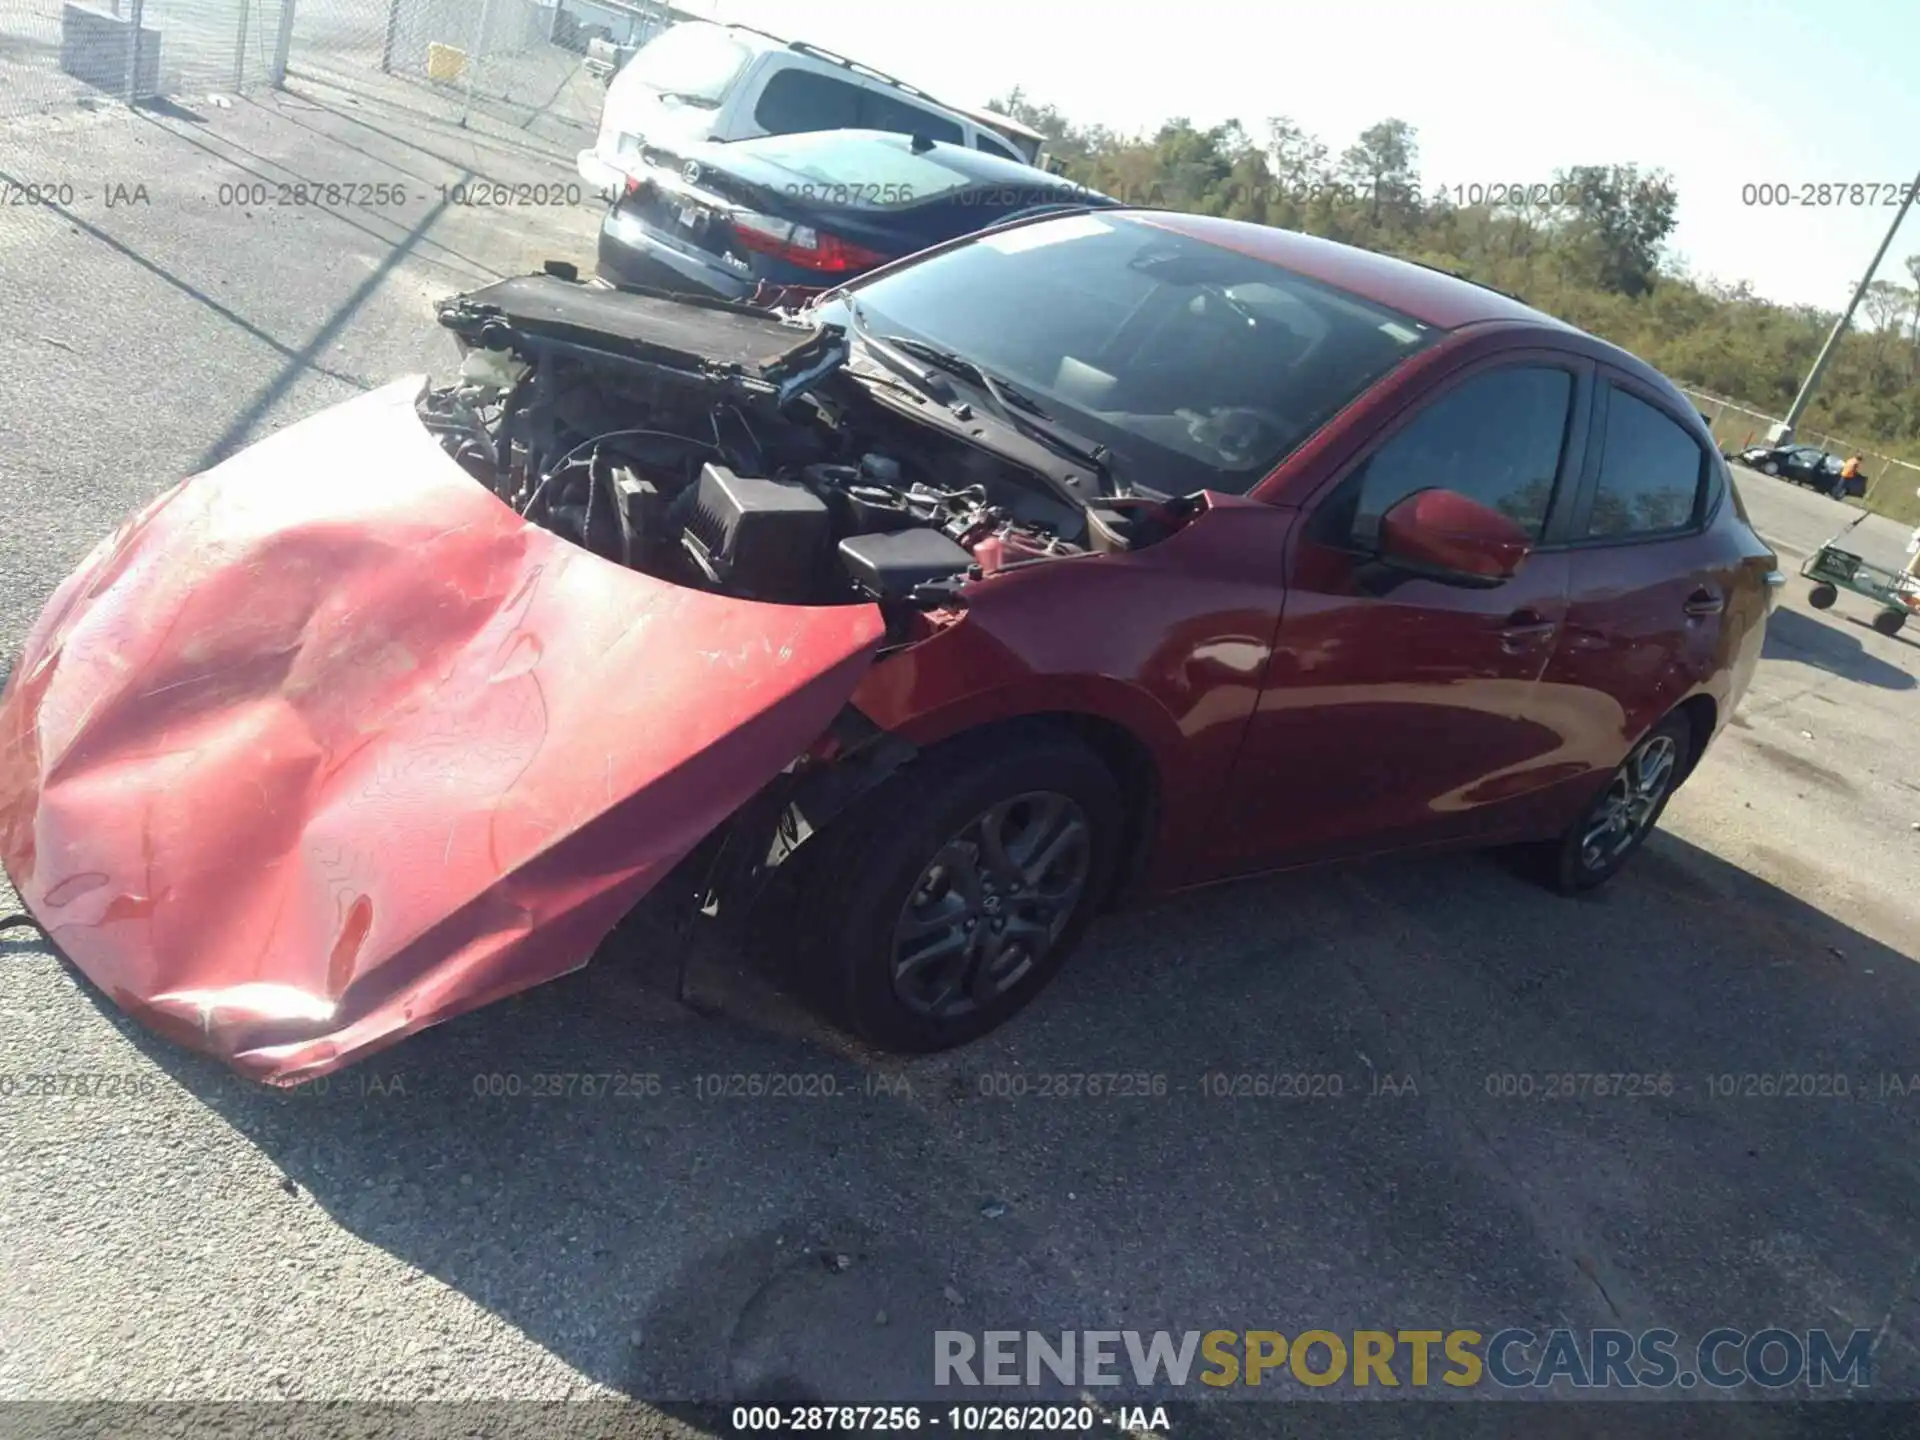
[1496, 438]
[799, 100]
[1650, 472]
[1196, 366]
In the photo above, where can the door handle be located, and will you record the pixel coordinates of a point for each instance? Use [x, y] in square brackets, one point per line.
[1524, 626]
[1705, 602]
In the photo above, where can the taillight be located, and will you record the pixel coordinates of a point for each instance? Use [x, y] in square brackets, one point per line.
[636, 186]
[802, 245]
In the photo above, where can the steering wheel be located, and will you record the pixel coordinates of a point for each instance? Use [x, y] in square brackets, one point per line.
[1238, 434]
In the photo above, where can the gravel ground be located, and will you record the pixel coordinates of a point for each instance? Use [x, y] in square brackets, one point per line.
[404, 1234]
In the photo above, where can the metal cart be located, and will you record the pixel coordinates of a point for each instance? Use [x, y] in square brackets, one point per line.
[1834, 568]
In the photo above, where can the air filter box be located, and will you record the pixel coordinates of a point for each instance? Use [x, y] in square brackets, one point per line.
[761, 539]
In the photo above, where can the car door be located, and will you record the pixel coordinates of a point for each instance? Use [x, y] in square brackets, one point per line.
[1402, 711]
[1648, 581]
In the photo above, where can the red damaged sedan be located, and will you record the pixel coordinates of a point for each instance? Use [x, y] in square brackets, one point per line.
[1083, 558]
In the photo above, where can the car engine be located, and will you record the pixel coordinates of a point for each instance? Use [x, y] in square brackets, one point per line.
[724, 447]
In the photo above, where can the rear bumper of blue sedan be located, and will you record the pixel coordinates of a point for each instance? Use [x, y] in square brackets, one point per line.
[631, 252]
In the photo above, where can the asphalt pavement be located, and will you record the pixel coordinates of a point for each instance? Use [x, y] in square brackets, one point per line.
[438, 1223]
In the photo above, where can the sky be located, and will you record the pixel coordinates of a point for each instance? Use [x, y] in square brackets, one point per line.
[1720, 94]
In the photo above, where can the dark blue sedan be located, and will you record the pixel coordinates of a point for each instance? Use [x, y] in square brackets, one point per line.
[808, 211]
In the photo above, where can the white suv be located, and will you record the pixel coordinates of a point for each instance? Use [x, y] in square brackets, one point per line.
[705, 81]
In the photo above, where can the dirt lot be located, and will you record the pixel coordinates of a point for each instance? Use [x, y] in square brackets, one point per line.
[411, 1234]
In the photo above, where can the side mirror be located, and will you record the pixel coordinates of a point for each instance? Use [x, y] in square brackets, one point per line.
[1444, 536]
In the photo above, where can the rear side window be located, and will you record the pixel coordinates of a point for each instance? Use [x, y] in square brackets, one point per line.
[881, 111]
[1495, 438]
[796, 101]
[1651, 472]
[982, 140]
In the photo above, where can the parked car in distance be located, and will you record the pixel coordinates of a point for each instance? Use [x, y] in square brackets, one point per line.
[700, 80]
[809, 210]
[1081, 559]
[1807, 465]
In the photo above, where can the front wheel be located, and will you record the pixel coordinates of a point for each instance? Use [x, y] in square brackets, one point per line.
[1889, 622]
[1769, 468]
[947, 903]
[1597, 846]
[1822, 596]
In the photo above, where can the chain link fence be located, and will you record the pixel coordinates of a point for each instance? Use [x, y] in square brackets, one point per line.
[458, 51]
[57, 54]
[526, 59]
[1893, 485]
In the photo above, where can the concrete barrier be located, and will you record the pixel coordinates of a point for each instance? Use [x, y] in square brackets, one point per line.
[97, 48]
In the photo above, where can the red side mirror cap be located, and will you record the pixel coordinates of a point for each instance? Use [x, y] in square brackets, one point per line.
[1449, 537]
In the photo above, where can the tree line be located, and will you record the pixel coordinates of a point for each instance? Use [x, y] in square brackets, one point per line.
[1588, 246]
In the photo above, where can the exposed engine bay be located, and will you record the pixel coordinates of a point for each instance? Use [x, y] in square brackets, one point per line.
[727, 448]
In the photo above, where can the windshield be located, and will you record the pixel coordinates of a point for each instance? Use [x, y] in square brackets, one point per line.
[1197, 367]
[693, 60]
[876, 174]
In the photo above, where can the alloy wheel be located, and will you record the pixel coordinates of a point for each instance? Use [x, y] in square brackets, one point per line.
[990, 904]
[1625, 811]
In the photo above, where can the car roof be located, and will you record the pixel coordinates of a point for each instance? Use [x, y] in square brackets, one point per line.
[762, 41]
[983, 165]
[1423, 292]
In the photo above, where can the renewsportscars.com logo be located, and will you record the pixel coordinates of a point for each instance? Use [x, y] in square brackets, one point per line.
[1725, 1358]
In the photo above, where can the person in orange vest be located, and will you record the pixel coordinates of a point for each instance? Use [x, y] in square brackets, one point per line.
[1849, 473]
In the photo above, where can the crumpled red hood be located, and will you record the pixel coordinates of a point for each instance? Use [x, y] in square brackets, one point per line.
[328, 745]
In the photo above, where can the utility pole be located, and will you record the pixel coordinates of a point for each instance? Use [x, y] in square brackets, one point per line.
[133, 53]
[282, 45]
[482, 38]
[1783, 432]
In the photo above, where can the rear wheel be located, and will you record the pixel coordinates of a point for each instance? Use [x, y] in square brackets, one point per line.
[1598, 845]
[1889, 622]
[1822, 596]
[947, 903]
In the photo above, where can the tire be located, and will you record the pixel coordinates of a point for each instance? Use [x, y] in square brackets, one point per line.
[881, 877]
[1566, 863]
[1889, 622]
[1769, 467]
[1822, 596]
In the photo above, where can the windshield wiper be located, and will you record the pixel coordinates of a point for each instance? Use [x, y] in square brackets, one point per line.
[1012, 405]
[887, 351]
[1003, 394]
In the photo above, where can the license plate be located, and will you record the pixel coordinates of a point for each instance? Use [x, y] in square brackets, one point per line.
[691, 217]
